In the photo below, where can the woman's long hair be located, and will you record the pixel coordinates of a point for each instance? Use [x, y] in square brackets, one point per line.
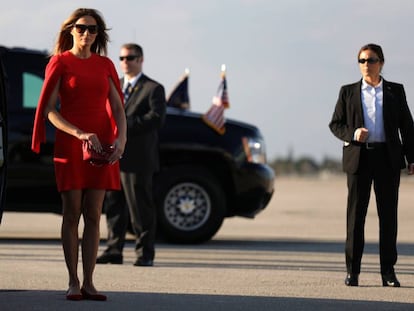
[64, 41]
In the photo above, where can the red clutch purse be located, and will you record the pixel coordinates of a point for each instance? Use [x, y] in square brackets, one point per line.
[94, 157]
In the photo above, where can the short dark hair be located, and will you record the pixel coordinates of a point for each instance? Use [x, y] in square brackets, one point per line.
[375, 48]
[133, 46]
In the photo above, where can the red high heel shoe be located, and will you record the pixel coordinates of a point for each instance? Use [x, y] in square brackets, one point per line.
[73, 297]
[88, 296]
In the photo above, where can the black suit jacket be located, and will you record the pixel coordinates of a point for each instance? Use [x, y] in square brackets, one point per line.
[145, 113]
[398, 124]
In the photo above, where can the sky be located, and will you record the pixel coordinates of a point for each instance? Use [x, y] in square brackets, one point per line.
[285, 60]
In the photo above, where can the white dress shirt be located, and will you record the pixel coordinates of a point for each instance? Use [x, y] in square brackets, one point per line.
[132, 81]
[372, 104]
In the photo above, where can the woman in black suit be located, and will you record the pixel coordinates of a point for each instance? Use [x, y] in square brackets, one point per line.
[373, 120]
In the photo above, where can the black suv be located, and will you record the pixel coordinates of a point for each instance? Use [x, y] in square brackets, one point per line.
[204, 176]
[3, 137]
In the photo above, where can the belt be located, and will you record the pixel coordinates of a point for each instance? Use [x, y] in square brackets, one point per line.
[370, 146]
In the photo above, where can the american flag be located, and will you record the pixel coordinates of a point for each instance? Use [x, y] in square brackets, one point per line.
[179, 97]
[214, 117]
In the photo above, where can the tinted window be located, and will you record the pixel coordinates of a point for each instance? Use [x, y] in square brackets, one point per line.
[25, 72]
[32, 86]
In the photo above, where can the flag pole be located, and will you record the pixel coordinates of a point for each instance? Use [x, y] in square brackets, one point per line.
[186, 73]
[223, 71]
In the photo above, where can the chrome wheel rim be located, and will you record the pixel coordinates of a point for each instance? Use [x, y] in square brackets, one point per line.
[187, 206]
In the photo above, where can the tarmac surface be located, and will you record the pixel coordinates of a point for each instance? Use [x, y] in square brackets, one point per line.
[289, 258]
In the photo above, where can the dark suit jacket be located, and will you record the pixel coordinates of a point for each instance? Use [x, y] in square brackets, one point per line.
[145, 114]
[398, 124]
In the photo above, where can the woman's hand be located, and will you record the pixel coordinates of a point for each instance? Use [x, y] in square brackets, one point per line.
[92, 139]
[119, 147]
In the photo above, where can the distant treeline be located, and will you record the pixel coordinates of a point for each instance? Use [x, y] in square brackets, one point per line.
[305, 166]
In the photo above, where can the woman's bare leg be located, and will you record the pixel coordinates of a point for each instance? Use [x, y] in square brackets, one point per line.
[92, 208]
[71, 203]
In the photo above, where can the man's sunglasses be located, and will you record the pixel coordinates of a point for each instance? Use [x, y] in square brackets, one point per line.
[368, 60]
[92, 29]
[128, 58]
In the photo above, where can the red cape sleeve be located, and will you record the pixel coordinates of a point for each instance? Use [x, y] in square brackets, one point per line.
[52, 74]
[114, 76]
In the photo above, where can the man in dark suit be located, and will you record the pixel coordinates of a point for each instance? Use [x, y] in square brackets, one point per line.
[373, 120]
[145, 108]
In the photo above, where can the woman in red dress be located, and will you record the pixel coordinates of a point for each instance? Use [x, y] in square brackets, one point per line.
[91, 110]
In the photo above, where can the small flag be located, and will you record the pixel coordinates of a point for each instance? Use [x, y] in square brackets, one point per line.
[179, 97]
[214, 117]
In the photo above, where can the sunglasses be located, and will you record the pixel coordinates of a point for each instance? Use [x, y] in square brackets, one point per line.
[92, 29]
[128, 58]
[368, 60]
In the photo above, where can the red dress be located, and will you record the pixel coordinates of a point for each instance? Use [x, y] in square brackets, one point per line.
[83, 94]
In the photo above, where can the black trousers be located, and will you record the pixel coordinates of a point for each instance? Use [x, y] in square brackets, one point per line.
[374, 169]
[133, 205]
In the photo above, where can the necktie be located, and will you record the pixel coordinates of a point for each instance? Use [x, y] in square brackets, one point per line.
[127, 91]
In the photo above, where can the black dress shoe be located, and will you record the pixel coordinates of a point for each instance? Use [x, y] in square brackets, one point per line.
[389, 279]
[351, 279]
[144, 262]
[110, 258]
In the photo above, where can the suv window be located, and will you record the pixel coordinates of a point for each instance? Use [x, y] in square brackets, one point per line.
[25, 72]
[32, 85]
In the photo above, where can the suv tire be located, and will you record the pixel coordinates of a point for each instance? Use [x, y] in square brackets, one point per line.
[190, 205]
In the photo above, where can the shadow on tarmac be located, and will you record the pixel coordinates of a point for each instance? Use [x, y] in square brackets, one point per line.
[247, 250]
[125, 301]
[227, 252]
[288, 245]
[297, 246]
